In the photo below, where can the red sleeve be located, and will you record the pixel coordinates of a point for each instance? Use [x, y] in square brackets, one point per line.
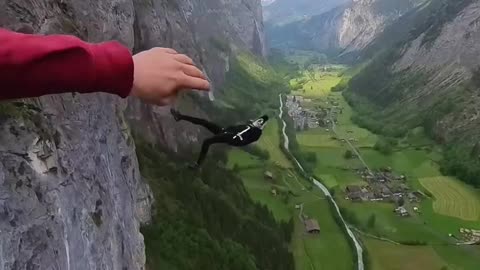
[35, 65]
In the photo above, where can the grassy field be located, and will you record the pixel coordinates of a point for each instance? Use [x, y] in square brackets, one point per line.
[452, 198]
[417, 158]
[388, 256]
[315, 84]
[317, 137]
[310, 251]
[270, 141]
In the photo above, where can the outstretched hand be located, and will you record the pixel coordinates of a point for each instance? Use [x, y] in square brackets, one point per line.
[160, 73]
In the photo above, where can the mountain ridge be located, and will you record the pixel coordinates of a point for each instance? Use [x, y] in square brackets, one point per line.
[346, 29]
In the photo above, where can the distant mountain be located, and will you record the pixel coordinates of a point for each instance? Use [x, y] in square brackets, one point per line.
[343, 30]
[277, 12]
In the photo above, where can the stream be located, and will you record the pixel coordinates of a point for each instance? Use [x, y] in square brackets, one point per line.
[325, 191]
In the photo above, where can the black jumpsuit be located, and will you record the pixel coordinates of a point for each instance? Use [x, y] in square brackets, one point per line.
[240, 135]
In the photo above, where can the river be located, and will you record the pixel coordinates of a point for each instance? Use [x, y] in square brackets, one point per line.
[325, 191]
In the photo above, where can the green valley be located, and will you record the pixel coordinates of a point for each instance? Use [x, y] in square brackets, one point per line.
[289, 196]
[436, 215]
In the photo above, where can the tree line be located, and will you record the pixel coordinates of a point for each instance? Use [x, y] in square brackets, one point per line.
[206, 220]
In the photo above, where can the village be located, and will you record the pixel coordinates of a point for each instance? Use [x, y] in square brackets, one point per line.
[383, 185]
[305, 118]
[380, 185]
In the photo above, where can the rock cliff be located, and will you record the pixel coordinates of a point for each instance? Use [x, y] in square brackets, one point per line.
[71, 195]
[347, 28]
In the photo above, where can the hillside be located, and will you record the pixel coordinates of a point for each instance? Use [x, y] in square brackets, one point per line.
[286, 11]
[429, 79]
[95, 182]
[343, 30]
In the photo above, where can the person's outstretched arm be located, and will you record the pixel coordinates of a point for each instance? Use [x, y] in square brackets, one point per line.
[36, 65]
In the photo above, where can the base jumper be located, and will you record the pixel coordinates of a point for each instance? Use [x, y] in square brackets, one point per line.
[238, 135]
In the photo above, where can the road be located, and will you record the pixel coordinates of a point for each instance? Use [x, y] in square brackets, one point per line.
[354, 149]
[325, 191]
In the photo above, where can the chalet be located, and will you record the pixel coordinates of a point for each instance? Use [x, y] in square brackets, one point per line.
[401, 211]
[378, 195]
[356, 197]
[311, 226]
[396, 189]
[354, 193]
[412, 198]
[418, 194]
[386, 193]
[353, 189]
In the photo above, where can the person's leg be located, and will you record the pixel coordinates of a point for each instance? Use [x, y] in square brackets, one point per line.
[197, 121]
[206, 145]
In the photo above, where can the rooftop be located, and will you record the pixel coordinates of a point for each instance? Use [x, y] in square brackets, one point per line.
[311, 225]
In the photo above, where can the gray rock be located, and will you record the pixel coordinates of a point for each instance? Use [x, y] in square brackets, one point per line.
[344, 29]
[449, 60]
[71, 194]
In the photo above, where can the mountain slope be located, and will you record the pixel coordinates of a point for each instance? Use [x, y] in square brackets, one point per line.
[430, 79]
[71, 192]
[286, 11]
[345, 29]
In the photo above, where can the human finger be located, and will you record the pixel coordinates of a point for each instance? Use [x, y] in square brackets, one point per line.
[184, 59]
[195, 83]
[168, 50]
[193, 71]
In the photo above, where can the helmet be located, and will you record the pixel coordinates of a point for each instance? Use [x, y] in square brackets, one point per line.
[260, 122]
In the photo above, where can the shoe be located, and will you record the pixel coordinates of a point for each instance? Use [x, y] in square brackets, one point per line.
[175, 114]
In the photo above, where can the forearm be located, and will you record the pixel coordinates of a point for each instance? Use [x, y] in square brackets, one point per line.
[34, 65]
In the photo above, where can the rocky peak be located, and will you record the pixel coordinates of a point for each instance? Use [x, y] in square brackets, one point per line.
[343, 30]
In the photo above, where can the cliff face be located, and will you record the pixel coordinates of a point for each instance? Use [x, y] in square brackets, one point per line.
[71, 196]
[286, 11]
[208, 31]
[346, 29]
[447, 59]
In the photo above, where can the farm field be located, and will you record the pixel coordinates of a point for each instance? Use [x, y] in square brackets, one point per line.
[317, 84]
[452, 198]
[388, 256]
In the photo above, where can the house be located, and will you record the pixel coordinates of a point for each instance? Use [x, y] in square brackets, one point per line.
[396, 189]
[401, 211]
[311, 226]
[356, 197]
[353, 189]
[412, 198]
[418, 194]
[386, 193]
[354, 193]
[268, 175]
